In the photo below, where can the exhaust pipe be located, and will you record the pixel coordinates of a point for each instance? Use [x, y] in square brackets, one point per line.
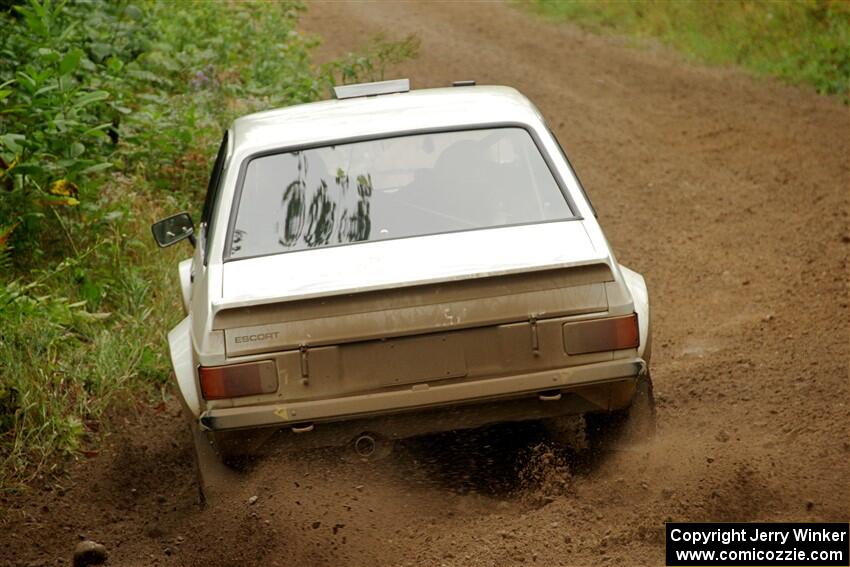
[303, 428]
[550, 396]
[365, 445]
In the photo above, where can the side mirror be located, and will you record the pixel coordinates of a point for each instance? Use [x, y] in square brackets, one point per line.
[173, 229]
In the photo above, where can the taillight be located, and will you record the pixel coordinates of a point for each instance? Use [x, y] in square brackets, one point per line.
[597, 335]
[235, 380]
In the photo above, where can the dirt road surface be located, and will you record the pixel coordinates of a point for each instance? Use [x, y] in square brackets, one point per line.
[730, 194]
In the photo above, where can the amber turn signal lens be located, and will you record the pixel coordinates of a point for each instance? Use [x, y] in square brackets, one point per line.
[599, 335]
[236, 380]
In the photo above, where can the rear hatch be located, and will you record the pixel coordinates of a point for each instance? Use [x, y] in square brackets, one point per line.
[367, 316]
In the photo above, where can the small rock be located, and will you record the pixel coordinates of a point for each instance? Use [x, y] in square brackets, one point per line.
[168, 551]
[845, 238]
[252, 500]
[809, 505]
[359, 487]
[89, 553]
[567, 539]
[722, 436]
[316, 525]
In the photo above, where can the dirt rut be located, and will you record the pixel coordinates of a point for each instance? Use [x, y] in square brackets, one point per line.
[729, 194]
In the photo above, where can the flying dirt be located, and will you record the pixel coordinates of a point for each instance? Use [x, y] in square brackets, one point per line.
[729, 194]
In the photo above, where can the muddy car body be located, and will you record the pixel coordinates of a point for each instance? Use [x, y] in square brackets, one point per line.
[398, 264]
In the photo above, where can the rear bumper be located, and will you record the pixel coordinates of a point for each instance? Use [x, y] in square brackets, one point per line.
[422, 397]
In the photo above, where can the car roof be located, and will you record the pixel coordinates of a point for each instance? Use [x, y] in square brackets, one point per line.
[377, 116]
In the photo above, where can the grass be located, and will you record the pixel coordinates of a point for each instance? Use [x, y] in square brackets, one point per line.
[65, 366]
[110, 114]
[803, 41]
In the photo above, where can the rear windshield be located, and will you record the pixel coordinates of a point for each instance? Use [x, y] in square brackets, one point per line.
[393, 188]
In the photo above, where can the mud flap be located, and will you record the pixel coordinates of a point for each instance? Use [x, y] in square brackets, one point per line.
[639, 422]
[629, 429]
[214, 476]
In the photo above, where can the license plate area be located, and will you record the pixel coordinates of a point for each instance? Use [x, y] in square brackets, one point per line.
[321, 372]
[408, 360]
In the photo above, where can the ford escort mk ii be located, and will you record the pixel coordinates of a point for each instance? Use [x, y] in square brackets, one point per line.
[394, 263]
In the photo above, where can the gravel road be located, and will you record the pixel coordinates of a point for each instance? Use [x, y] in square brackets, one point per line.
[730, 194]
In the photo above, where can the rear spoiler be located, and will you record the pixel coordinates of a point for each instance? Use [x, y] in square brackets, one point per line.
[372, 89]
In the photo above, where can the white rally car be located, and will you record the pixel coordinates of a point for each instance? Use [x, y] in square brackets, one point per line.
[393, 263]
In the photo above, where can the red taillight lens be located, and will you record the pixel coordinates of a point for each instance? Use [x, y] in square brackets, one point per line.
[598, 335]
[235, 380]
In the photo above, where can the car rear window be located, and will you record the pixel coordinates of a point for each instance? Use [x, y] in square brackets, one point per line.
[393, 188]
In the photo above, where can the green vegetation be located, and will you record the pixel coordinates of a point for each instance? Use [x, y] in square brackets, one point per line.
[110, 113]
[803, 41]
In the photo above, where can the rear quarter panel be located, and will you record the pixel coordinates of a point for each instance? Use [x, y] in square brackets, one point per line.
[640, 296]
